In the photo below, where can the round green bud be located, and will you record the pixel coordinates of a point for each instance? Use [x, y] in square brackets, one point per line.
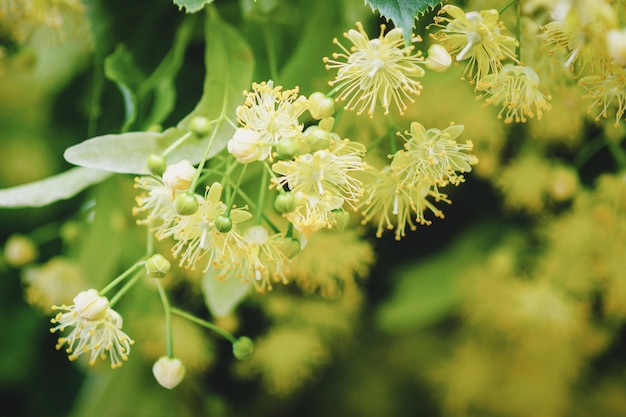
[243, 348]
[157, 266]
[341, 219]
[284, 202]
[317, 138]
[186, 204]
[156, 164]
[287, 148]
[19, 250]
[155, 128]
[223, 223]
[320, 105]
[290, 247]
[201, 126]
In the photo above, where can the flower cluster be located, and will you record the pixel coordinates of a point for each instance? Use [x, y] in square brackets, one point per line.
[96, 329]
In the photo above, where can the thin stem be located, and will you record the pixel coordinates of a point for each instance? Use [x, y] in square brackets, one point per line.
[618, 153]
[176, 144]
[231, 201]
[506, 6]
[588, 150]
[271, 51]
[252, 204]
[518, 31]
[261, 199]
[149, 243]
[167, 309]
[122, 277]
[194, 183]
[125, 288]
[204, 323]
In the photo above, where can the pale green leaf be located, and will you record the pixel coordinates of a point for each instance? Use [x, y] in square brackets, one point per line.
[192, 6]
[51, 189]
[402, 12]
[223, 296]
[120, 67]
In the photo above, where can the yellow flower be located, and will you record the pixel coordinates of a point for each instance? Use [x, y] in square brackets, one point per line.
[266, 261]
[475, 36]
[606, 92]
[516, 89]
[272, 113]
[381, 69]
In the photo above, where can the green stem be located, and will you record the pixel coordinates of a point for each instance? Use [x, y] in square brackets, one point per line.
[518, 31]
[271, 51]
[196, 178]
[506, 6]
[167, 309]
[233, 194]
[618, 153]
[252, 204]
[125, 288]
[204, 323]
[149, 243]
[122, 277]
[261, 199]
[176, 144]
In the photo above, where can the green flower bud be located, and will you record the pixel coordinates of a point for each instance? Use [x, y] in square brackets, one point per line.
[287, 148]
[317, 138]
[320, 105]
[290, 247]
[243, 348]
[201, 126]
[223, 224]
[341, 219]
[157, 266]
[156, 164]
[186, 204]
[284, 203]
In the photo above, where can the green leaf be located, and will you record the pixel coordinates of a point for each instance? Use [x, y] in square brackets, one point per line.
[402, 12]
[223, 296]
[120, 67]
[192, 6]
[51, 189]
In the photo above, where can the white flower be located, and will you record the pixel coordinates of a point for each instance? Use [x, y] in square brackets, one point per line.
[438, 59]
[96, 329]
[179, 176]
[245, 146]
[168, 372]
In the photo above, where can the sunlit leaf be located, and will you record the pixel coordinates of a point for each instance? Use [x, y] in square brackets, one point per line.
[402, 12]
[120, 67]
[192, 6]
[51, 189]
[222, 297]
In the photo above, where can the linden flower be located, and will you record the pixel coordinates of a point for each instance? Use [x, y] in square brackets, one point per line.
[197, 238]
[158, 203]
[272, 113]
[606, 92]
[433, 157]
[516, 89]
[477, 37]
[381, 69]
[266, 259]
[96, 329]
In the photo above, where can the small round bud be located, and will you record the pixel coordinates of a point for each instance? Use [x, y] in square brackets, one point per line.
[564, 183]
[243, 348]
[168, 372]
[19, 250]
[245, 146]
[290, 247]
[438, 59]
[341, 219]
[155, 128]
[317, 138]
[256, 234]
[201, 126]
[223, 223]
[179, 176]
[157, 266]
[90, 305]
[285, 202]
[320, 105]
[287, 148]
[186, 204]
[156, 164]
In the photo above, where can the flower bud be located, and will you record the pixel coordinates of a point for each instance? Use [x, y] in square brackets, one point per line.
[341, 219]
[223, 223]
[186, 204]
[157, 266]
[564, 183]
[156, 164]
[257, 235]
[320, 105]
[179, 176]
[243, 348]
[168, 372]
[438, 59]
[287, 148]
[317, 138]
[245, 146]
[290, 247]
[616, 45]
[284, 202]
[201, 126]
[19, 250]
[90, 305]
